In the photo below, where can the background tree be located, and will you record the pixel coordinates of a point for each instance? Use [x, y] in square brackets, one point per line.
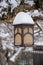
[22, 2]
[36, 3]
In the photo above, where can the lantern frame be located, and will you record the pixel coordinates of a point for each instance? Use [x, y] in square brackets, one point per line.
[22, 34]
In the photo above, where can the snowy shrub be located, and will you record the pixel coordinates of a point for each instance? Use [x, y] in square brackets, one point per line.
[7, 6]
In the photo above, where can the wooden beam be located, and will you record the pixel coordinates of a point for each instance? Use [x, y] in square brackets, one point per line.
[39, 25]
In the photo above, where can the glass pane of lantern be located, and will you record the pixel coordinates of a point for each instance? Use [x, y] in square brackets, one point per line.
[25, 30]
[15, 30]
[18, 39]
[20, 30]
[31, 30]
[28, 39]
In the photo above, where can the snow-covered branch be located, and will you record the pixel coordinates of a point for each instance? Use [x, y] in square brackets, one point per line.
[17, 54]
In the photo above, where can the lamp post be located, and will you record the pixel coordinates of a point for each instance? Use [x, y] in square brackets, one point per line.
[23, 30]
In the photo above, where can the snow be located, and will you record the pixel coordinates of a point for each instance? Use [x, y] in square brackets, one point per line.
[29, 13]
[39, 42]
[16, 48]
[5, 44]
[23, 18]
[13, 4]
[9, 54]
[28, 49]
[4, 13]
[3, 4]
[0, 15]
[41, 14]
[15, 55]
[10, 46]
[18, 1]
[30, 2]
[4, 35]
[36, 34]
[1, 9]
[35, 31]
[36, 13]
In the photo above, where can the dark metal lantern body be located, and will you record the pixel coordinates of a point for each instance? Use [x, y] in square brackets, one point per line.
[24, 35]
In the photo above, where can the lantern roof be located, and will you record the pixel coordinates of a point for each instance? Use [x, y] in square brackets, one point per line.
[23, 18]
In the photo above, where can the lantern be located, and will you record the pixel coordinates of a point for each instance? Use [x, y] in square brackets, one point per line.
[23, 30]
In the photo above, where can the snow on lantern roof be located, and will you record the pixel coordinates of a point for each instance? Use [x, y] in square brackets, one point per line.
[23, 18]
